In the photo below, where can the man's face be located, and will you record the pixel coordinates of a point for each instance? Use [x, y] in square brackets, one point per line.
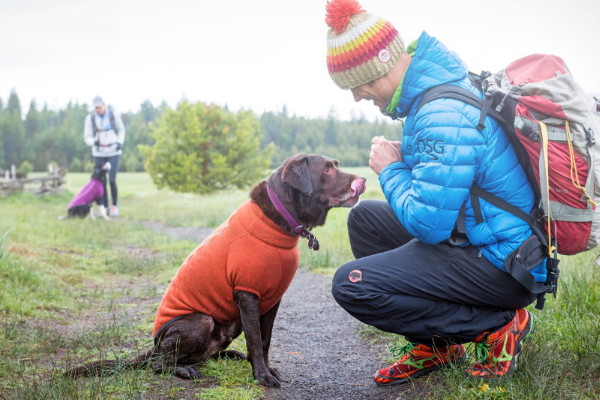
[379, 91]
[100, 110]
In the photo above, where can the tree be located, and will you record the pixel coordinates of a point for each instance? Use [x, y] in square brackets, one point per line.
[331, 131]
[12, 131]
[201, 148]
[32, 127]
[138, 133]
[56, 136]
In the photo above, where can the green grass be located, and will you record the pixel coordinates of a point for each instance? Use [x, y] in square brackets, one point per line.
[69, 287]
[139, 199]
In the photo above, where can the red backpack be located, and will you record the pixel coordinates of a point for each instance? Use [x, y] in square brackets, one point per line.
[552, 124]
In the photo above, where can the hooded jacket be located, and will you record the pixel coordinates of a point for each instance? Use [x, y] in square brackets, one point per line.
[444, 154]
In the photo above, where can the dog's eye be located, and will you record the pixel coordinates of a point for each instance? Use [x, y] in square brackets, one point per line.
[330, 167]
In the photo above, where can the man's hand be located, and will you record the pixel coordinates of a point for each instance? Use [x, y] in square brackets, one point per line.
[383, 153]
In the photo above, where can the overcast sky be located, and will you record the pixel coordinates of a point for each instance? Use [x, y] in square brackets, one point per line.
[257, 54]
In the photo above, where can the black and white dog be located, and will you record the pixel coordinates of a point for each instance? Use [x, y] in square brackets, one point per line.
[93, 192]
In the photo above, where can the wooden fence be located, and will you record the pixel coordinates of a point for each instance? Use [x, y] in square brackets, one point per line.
[11, 181]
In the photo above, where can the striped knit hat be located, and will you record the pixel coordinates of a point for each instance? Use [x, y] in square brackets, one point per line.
[361, 47]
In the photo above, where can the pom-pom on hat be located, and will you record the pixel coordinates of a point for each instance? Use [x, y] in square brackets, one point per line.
[361, 47]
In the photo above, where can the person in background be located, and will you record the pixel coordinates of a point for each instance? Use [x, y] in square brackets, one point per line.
[104, 132]
[417, 272]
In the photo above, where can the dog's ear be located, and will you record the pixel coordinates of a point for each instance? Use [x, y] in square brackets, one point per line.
[296, 174]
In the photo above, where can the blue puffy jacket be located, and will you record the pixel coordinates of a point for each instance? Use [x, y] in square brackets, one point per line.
[444, 154]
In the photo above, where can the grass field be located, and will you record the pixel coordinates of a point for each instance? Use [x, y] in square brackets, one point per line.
[68, 290]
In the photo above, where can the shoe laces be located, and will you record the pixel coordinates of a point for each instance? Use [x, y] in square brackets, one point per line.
[402, 350]
[482, 350]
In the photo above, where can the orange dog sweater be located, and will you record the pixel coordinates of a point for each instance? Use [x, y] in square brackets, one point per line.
[248, 252]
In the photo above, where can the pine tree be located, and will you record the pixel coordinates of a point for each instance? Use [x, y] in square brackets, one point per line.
[33, 126]
[12, 132]
[201, 148]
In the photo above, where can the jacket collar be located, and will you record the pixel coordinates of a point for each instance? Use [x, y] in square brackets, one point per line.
[432, 65]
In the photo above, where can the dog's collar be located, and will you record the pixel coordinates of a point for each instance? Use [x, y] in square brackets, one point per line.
[313, 243]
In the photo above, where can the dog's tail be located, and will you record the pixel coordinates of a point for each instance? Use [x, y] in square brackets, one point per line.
[107, 367]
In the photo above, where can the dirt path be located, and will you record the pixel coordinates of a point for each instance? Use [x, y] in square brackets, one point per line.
[316, 346]
[317, 349]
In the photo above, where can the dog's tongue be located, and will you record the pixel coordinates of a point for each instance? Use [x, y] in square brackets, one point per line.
[358, 186]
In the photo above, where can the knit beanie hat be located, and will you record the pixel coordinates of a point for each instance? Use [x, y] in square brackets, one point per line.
[361, 47]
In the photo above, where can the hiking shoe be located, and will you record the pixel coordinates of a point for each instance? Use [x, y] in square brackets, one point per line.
[418, 360]
[114, 211]
[497, 352]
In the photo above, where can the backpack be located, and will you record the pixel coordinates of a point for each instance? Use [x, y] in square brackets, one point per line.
[552, 124]
[111, 118]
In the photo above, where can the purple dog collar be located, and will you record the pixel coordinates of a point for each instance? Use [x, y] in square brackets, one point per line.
[313, 243]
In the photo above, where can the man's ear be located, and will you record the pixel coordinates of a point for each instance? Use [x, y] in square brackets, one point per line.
[295, 173]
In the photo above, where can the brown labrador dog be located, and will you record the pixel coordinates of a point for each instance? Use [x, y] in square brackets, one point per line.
[234, 280]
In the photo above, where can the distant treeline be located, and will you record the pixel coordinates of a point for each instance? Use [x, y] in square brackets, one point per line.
[46, 137]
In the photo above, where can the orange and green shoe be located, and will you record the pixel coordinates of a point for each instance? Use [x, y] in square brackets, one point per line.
[418, 360]
[497, 352]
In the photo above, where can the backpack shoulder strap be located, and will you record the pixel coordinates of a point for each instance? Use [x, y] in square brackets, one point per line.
[448, 91]
[487, 107]
[93, 120]
[111, 118]
[456, 92]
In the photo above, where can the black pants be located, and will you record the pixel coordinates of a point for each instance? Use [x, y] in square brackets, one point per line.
[115, 162]
[431, 294]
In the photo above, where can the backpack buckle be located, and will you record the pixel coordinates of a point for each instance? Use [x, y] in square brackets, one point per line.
[589, 135]
[553, 272]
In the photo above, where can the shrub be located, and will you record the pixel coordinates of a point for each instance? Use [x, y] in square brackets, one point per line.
[201, 148]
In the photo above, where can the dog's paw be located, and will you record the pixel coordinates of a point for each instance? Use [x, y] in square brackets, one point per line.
[275, 373]
[157, 367]
[267, 379]
[187, 372]
[102, 213]
[233, 355]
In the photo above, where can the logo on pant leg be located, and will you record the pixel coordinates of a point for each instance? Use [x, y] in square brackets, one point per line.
[355, 276]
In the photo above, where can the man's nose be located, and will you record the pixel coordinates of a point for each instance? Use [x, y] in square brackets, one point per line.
[356, 95]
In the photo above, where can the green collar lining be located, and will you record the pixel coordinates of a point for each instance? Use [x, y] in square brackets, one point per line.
[390, 110]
